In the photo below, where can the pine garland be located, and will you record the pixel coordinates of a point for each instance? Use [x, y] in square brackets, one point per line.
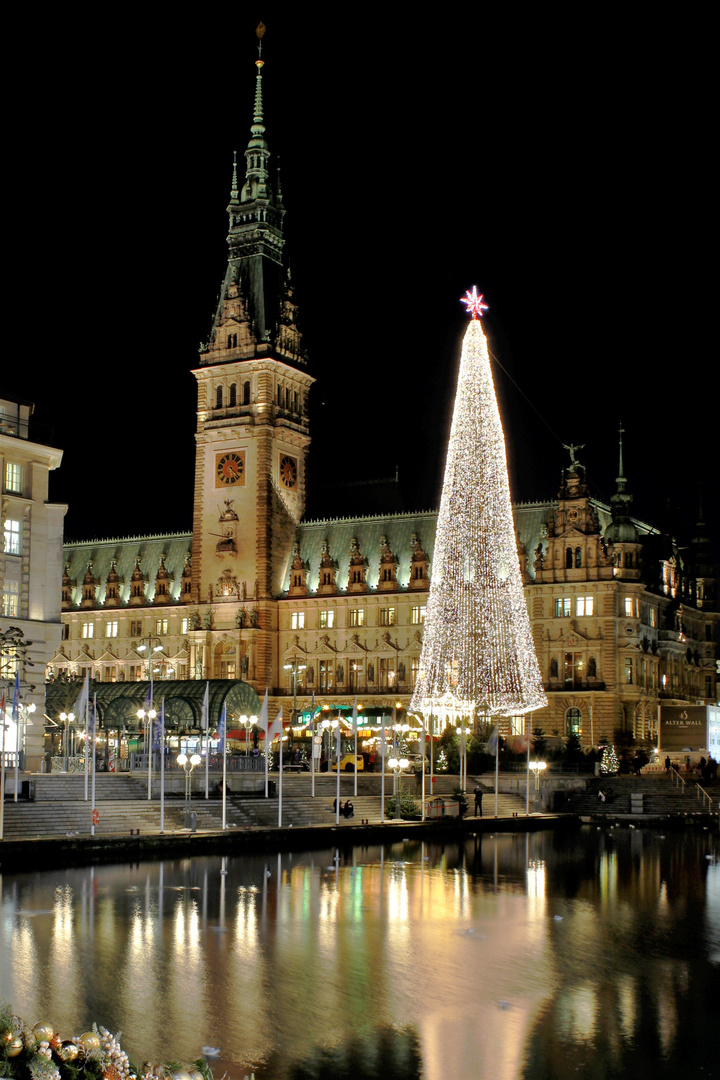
[38, 1053]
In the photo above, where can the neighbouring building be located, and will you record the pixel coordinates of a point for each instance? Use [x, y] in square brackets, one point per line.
[30, 565]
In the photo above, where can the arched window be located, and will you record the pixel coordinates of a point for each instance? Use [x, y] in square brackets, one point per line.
[233, 395]
[280, 396]
[246, 393]
[218, 398]
[573, 722]
[578, 558]
[568, 559]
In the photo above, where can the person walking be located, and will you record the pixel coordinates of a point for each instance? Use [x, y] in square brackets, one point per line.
[478, 800]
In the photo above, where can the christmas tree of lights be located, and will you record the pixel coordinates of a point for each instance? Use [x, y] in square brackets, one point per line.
[477, 653]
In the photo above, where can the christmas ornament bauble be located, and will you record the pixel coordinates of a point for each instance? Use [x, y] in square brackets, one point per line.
[43, 1032]
[179, 1074]
[68, 1051]
[14, 1046]
[90, 1040]
[195, 1074]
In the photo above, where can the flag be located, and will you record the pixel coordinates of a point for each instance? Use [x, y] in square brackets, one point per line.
[221, 731]
[205, 715]
[84, 696]
[157, 729]
[355, 715]
[312, 702]
[263, 718]
[523, 744]
[16, 698]
[276, 728]
[148, 699]
[491, 747]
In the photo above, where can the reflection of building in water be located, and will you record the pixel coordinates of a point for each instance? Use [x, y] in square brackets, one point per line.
[622, 618]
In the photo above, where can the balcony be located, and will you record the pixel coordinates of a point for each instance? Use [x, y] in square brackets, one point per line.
[559, 686]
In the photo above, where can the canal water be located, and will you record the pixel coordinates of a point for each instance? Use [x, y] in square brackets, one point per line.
[545, 956]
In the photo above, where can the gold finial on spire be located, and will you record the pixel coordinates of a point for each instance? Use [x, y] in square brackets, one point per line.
[261, 28]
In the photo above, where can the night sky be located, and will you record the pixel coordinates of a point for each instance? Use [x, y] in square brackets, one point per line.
[562, 165]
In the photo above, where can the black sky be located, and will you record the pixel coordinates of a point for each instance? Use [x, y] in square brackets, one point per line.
[561, 165]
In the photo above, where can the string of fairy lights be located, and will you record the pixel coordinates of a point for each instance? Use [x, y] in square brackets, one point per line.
[478, 654]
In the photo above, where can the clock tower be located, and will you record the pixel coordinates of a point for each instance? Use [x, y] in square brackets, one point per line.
[252, 419]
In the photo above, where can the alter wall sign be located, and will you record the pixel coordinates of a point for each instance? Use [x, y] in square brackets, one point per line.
[683, 725]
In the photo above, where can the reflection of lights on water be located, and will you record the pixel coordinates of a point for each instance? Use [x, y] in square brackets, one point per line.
[608, 877]
[712, 911]
[577, 1013]
[627, 998]
[327, 918]
[246, 926]
[536, 878]
[667, 1007]
[187, 928]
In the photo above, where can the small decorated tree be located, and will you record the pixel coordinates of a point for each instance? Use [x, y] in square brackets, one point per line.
[609, 761]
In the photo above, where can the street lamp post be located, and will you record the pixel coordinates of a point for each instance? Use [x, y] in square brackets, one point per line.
[397, 764]
[149, 648]
[537, 768]
[67, 719]
[187, 764]
[463, 732]
[294, 667]
[150, 715]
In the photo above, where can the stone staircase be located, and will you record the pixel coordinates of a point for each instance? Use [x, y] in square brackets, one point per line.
[59, 808]
[640, 796]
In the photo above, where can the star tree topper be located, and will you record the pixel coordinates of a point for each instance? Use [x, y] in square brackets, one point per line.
[475, 305]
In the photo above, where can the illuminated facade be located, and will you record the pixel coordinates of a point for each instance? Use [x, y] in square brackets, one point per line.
[257, 593]
[30, 559]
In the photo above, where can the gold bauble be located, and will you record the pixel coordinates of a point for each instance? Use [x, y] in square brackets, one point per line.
[43, 1032]
[90, 1040]
[68, 1051]
[179, 1074]
[195, 1074]
[14, 1046]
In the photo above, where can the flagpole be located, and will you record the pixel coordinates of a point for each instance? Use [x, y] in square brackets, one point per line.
[150, 746]
[382, 769]
[280, 778]
[224, 779]
[94, 765]
[527, 772]
[355, 725]
[312, 761]
[206, 710]
[497, 765]
[422, 765]
[16, 718]
[2, 773]
[162, 766]
[337, 797]
[87, 710]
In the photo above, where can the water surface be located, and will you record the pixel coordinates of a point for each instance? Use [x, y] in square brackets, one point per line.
[543, 956]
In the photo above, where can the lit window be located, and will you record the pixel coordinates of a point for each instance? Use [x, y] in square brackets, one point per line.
[12, 537]
[357, 616]
[183, 626]
[13, 477]
[584, 605]
[327, 619]
[628, 606]
[563, 607]
[417, 615]
[111, 629]
[161, 626]
[628, 671]
[11, 599]
[297, 620]
[653, 617]
[135, 627]
[387, 616]
[88, 630]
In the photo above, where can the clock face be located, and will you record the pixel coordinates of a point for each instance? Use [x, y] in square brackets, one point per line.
[230, 469]
[288, 472]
